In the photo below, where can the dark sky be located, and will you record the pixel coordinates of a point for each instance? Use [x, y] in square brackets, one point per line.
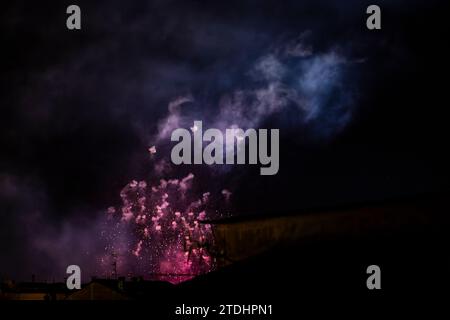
[78, 109]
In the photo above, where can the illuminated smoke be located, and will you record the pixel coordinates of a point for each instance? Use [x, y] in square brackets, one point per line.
[295, 84]
[158, 232]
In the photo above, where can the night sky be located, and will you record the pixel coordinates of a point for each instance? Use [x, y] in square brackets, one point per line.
[363, 115]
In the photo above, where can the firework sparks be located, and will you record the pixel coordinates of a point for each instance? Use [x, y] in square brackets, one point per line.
[157, 230]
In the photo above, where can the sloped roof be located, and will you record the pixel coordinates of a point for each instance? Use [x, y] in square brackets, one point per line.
[433, 202]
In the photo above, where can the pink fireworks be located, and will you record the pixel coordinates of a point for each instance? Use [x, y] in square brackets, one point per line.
[158, 231]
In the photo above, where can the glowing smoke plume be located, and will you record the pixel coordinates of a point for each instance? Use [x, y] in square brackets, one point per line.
[157, 232]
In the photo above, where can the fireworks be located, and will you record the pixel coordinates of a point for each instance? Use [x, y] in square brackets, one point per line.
[158, 231]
